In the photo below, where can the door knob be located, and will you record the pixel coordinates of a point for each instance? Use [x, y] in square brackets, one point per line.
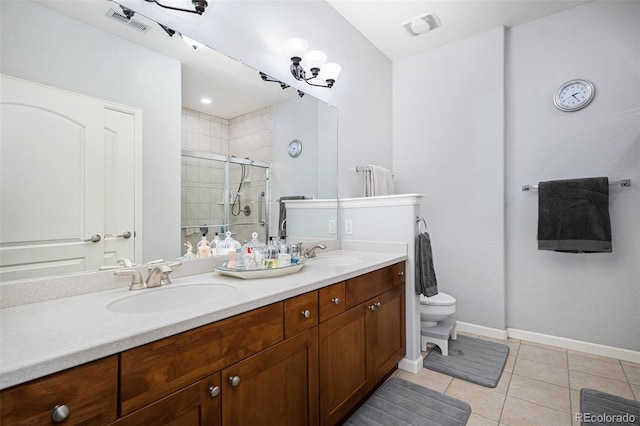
[94, 239]
[124, 235]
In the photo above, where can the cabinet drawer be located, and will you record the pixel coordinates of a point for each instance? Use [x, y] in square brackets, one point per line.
[300, 313]
[398, 273]
[157, 369]
[331, 301]
[90, 391]
[364, 287]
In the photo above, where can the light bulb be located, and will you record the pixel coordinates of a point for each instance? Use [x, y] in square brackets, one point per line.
[295, 47]
[420, 26]
[331, 71]
[314, 59]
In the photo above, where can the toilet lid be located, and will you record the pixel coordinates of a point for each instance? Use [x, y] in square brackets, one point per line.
[440, 299]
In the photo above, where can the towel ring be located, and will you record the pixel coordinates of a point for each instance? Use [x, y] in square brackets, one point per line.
[420, 220]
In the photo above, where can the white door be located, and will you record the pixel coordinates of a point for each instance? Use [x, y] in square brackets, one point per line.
[119, 186]
[52, 180]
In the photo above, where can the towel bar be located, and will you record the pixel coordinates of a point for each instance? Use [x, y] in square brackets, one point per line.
[621, 182]
[420, 220]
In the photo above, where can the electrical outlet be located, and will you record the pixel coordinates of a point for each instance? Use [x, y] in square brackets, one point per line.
[332, 226]
[348, 227]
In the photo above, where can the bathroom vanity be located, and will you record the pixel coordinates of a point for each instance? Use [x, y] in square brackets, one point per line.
[301, 349]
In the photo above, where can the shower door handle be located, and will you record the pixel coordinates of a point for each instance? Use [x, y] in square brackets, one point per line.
[260, 200]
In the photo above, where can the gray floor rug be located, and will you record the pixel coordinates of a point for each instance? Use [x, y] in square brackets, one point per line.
[474, 360]
[599, 408]
[399, 402]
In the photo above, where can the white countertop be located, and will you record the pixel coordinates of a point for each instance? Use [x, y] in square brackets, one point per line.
[41, 338]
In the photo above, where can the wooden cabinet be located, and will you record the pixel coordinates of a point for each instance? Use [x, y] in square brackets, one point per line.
[306, 360]
[278, 386]
[361, 346]
[195, 405]
[90, 392]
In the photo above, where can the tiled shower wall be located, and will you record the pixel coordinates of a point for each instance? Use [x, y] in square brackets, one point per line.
[247, 136]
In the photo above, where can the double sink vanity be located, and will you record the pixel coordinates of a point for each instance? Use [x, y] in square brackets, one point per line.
[305, 348]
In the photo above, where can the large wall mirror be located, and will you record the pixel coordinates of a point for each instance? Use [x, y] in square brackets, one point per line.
[194, 168]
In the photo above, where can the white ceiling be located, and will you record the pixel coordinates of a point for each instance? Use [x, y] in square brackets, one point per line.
[238, 89]
[380, 20]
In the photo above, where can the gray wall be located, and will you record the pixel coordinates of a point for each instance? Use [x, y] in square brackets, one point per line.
[46, 47]
[591, 297]
[449, 144]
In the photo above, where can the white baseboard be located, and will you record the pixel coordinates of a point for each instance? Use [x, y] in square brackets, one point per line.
[481, 330]
[547, 339]
[575, 345]
[412, 366]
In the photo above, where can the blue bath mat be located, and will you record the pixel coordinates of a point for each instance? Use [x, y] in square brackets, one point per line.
[474, 360]
[599, 408]
[399, 402]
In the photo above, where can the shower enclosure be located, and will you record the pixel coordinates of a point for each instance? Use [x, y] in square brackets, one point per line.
[222, 193]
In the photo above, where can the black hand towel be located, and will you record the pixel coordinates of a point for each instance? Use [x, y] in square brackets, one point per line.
[573, 215]
[425, 279]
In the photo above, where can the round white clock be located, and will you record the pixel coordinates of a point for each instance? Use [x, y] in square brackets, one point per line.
[574, 95]
[295, 148]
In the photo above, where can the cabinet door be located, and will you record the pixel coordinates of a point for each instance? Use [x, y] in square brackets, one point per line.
[385, 333]
[278, 386]
[89, 392]
[343, 373]
[195, 405]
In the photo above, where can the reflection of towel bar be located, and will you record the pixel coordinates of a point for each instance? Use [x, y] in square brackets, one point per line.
[364, 168]
[621, 182]
[420, 220]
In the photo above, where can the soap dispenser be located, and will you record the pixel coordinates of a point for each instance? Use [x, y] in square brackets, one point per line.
[204, 247]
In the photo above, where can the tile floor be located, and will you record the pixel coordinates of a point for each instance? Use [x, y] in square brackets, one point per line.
[540, 385]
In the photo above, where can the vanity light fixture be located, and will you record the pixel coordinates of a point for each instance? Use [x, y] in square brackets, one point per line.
[199, 6]
[283, 85]
[315, 60]
[422, 23]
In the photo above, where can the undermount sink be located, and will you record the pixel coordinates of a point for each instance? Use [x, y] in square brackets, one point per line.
[169, 298]
[336, 260]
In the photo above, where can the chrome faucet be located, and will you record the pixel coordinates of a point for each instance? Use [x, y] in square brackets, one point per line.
[136, 278]
[311, 252]
[159, 275]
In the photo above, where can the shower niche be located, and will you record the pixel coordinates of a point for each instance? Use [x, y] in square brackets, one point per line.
[223, 193]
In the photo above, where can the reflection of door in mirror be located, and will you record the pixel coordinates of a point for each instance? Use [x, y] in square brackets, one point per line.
[58, 213]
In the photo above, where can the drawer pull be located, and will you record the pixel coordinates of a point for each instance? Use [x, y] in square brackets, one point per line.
[306, 313]
[214, 391]
[336, 300]
[234, 380]
[60, 413]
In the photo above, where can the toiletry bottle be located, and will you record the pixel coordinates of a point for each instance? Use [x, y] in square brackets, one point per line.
[204, 247]
[270, 259]
[214, 243]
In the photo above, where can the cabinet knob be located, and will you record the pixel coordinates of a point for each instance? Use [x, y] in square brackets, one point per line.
[375, 306]
[215, 390]
[234, 380]
[401, 274]
[306, 313]
[60, 413]
[336, 300]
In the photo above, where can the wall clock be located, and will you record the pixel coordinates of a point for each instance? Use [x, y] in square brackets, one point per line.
[295, 148]
[574, 95]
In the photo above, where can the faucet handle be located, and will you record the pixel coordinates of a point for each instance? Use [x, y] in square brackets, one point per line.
[136, 278]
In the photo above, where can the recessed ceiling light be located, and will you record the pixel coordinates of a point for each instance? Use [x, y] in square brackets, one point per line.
[205, 101]
[421, 23]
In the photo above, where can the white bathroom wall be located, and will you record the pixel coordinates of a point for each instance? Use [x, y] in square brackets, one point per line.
[448, 144]
[590, 297]
[254, 32]
[46, 47]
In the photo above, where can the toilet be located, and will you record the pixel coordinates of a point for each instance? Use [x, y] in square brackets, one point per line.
[437, 321]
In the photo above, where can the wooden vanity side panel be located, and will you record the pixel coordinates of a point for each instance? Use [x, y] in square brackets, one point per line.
[362, 288]
[157, 369]
[90, 391]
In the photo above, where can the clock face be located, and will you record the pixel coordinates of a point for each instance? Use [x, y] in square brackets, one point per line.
[295, 148]
[573, 95]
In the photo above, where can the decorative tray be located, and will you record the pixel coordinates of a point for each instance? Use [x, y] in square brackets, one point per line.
[250, 274]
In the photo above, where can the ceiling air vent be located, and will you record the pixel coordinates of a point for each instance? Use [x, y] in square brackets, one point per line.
[133, 23]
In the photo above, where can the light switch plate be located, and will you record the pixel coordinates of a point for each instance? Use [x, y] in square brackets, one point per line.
[332, 226]
[348, 227]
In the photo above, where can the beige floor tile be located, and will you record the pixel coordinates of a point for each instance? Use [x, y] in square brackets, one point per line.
[430, 379]
[630, 364]
[579, 380]
[636, 391]
[511, 362]
[540, 345]
[476, 420]
[599, 357]
[575, 401]
[517, 412]
[543, 372]
[632, 373]
[541, 393]
[543, 355]
[483, 401]
[597, 367]
[503, 384]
